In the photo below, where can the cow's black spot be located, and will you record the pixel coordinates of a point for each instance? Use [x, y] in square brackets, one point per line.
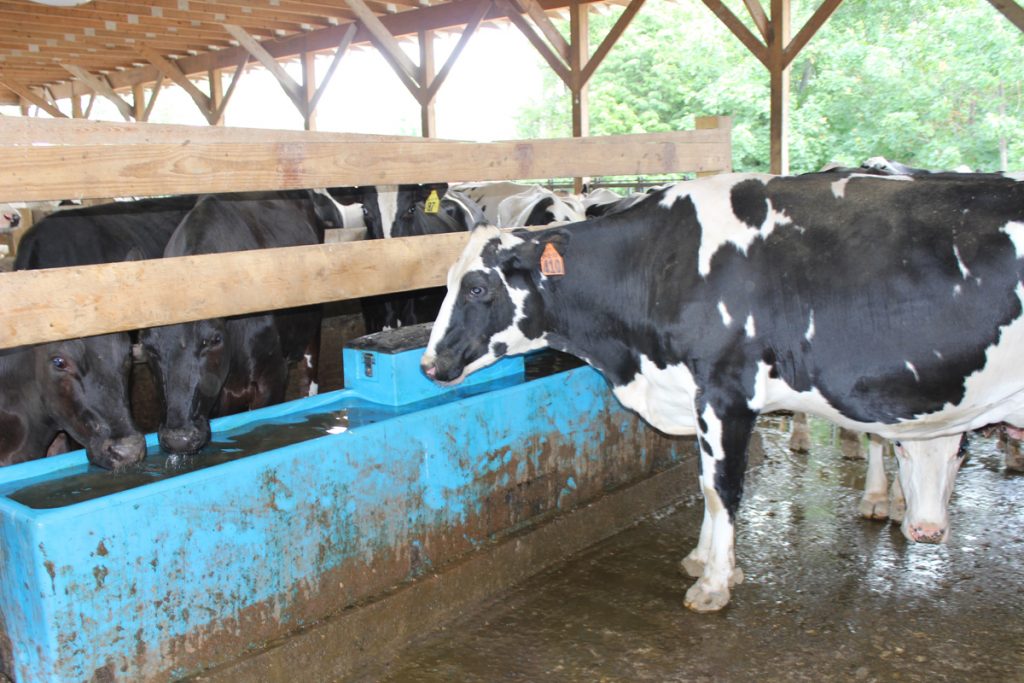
[750, 202]
[499, 349]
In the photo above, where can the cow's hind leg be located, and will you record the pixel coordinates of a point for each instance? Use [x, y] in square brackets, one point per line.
[723, 458]
[875, 502]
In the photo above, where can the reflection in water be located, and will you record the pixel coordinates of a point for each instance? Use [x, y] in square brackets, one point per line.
[86, 482]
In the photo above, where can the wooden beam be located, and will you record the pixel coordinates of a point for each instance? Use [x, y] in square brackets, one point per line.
[339, 52]
[169, 69]
[739, 29]
[27, 93]
[385, 42]
[557, 41]
[609, 40]
[76, 108]
[308, 90]
[475, 19]
[817, 20]
[779, 76]
[100, 86]
[43, 305]
[216, 87]
[558, 66]
[199, 163]
[139, 102]
[1011, 10]
[579, 30]
[760, 18]
[253, 47]
[217, 116]
[428, 73]
[157, 87]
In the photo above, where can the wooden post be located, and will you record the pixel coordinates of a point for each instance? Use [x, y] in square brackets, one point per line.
[308, 89]
[139, 102]
[579, 53]
[76, 107]
[779, 75]
[216, 96]
[428, 119]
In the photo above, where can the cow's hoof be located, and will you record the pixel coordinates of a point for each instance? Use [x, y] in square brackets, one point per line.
[1014, 460]
[692, 566]
[701, 600]
[800, 442]
[872, 507]
[736, 577]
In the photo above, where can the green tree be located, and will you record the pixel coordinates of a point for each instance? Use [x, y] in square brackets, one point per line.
[929, 84]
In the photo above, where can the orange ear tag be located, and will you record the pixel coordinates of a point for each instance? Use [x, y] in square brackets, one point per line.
[551, 262]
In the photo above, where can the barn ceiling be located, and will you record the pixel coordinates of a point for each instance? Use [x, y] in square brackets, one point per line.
[52, 50]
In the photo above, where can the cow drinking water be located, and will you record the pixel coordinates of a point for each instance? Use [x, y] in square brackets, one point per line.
[890, 305]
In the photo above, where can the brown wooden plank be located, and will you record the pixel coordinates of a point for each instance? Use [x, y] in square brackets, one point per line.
[339, 52]
[292, 89]
[779, 87]
[61, 303]
[544, 23]
[101, 86]
[1011, 10]
[609, 40]
[23, 131]
[739, 29]
[27, 93]
[760, 18]
[817, 20]
[558, 66]
[467, 33]
[383, 39]
[50, 172]
[171, 71]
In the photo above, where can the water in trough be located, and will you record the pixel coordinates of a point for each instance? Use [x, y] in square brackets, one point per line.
[827, 597]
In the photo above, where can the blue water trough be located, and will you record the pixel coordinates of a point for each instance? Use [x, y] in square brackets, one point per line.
[295, 511]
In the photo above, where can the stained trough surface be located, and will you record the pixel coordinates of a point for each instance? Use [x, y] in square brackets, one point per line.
[827, 597]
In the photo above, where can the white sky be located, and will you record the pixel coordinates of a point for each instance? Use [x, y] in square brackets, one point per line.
[491, 81]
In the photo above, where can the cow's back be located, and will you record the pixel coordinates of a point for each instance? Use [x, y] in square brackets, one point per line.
[105, 233]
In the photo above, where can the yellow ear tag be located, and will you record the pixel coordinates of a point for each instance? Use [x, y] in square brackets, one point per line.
[551, 262]
[433, 203]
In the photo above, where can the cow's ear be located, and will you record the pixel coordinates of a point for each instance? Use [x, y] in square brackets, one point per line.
[427, 188]
[528, 254]
[346, 195]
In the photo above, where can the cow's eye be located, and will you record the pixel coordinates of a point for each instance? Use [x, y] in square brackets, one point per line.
[411, 210]
[476, 292]
[59, 363]
[366, 212]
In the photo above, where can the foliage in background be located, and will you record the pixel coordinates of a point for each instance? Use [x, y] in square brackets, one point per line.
[931, 84]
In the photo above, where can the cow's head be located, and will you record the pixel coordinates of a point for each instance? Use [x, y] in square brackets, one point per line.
[494, 305]
[927, 473]
[391, 210]
[190, 362]
[84, 386]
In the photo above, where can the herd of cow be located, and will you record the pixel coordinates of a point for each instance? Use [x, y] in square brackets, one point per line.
[886, 299]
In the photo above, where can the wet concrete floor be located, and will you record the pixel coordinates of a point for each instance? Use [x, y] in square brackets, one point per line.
[827, 597]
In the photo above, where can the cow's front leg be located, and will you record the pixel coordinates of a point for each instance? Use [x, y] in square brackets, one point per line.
[875, 502]
[723, 460]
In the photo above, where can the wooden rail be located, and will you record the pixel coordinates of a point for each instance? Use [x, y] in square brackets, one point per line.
[39, 306]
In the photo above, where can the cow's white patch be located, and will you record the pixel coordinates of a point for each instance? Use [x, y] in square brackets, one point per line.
[809, 334]
[964, 270]
[757, 402]
[309, 360]
[314, 389]
[719, 225]
[1015, 230]
[913, 370]
[1017, 175]
[927, 473]
[957, 290]
[938, 354]
[724, 312]
[749, 327]
[663, 397]
[839, 186]
[387, 204]
[516, 209]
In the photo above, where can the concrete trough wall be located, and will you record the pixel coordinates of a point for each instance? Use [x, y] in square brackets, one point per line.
[174, 577]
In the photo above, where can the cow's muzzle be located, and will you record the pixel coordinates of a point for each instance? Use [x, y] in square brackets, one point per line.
[185, 440]
[113, 454]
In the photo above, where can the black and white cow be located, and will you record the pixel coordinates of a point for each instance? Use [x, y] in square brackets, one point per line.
[226, 365]
[889, 305]
[400, 211]
[79, 387]
[9, 218]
